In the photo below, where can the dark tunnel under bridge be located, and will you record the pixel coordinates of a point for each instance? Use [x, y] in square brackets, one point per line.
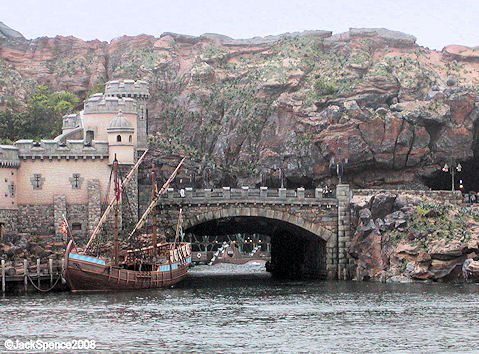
[295, 252]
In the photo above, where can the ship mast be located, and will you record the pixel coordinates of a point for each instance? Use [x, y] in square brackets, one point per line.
[155, 199]
[117, 198]
[112, 202]
[153, 215]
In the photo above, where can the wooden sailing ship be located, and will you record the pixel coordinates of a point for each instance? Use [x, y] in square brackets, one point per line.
[159, 265]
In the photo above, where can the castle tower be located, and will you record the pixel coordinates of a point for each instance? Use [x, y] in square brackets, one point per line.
[121, 140]
[137, 90]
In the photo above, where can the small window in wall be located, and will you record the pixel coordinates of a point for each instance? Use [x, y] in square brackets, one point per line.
[37, 181]
[76, 226]
[76, 181]
[130, 139]
[118, 138]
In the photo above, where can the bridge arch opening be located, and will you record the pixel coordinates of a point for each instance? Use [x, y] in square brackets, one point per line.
[296, 252]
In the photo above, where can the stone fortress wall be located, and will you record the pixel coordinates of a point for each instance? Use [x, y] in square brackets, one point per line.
[69, 175]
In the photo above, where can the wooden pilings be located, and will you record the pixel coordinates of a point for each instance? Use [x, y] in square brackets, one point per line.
[50, 270]
[42, 274]
[25, 273]
[3, 276]
[38, 272]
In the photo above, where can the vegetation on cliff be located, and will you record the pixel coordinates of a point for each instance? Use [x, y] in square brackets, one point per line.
[40, 118]
[405, 236]
[294, 102]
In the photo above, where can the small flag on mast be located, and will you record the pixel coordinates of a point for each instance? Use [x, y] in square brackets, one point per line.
[64, 226]
[117, 180]
[117, 188]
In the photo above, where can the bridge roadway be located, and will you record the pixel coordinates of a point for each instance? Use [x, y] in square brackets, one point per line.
[310, 233]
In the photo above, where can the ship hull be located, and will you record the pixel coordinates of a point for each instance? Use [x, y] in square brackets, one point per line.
[84, 273]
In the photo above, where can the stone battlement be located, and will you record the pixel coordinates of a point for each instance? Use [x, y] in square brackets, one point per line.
[71, 121]
[99, 103]
[9, 156]
[127, 88]
[50, 149]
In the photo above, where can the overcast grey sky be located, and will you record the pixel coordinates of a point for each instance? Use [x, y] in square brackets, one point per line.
[435, 23]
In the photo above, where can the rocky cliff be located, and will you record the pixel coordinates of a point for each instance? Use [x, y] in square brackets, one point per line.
[299, 102]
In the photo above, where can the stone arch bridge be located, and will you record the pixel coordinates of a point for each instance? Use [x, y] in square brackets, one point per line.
[310, 234]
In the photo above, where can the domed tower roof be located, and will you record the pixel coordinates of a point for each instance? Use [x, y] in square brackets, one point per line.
[120, 123]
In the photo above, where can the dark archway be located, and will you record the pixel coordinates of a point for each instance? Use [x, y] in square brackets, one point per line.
[295, 252]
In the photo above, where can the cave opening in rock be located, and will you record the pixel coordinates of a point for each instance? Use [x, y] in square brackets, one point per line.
[295, 252]
[469, 176]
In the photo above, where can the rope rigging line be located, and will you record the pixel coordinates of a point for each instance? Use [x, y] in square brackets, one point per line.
[155, 199]
[44, 290]
[112, 202]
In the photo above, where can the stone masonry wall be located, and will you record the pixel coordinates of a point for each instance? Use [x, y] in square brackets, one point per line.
[78, 214]
[36, 219]
[10, 219]
[59, 209]
[343, 193]
[94, 204]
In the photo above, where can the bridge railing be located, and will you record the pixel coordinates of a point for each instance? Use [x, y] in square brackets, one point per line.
[245, 193]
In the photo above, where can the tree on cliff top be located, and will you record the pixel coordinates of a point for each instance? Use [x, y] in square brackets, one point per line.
[41, 118]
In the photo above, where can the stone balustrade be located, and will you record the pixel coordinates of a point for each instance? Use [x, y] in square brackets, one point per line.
[54, 149]
[259, 195]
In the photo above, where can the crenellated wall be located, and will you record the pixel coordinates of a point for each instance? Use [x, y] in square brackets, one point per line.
[101, 104]
[51, 149]
[127, 88]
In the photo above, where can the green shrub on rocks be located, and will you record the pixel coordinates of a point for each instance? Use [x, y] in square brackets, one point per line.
[324, 87]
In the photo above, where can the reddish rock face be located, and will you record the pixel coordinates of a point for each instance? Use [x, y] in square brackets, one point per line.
[439, 244]
[298, 102]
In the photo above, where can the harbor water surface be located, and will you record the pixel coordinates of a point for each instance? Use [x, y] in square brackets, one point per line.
[240, 309]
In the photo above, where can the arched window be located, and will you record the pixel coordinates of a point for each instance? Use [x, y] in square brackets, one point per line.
[118, 138]
[129, 139]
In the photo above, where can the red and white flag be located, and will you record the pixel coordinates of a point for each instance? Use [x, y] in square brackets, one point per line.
[117, 188]
[64, 226]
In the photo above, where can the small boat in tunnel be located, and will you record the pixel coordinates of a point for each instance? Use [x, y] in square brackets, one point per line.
[295, 253]
[159, 265]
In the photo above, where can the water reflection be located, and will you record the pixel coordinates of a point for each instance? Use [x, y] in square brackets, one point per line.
[220, 309]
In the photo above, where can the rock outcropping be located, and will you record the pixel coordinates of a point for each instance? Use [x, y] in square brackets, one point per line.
[405, 237]
[244, 109]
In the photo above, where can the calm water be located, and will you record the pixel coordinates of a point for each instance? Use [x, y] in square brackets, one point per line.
[215, 310]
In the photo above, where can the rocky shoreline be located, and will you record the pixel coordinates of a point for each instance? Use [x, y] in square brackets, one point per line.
[410, 237]
[397, 237]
